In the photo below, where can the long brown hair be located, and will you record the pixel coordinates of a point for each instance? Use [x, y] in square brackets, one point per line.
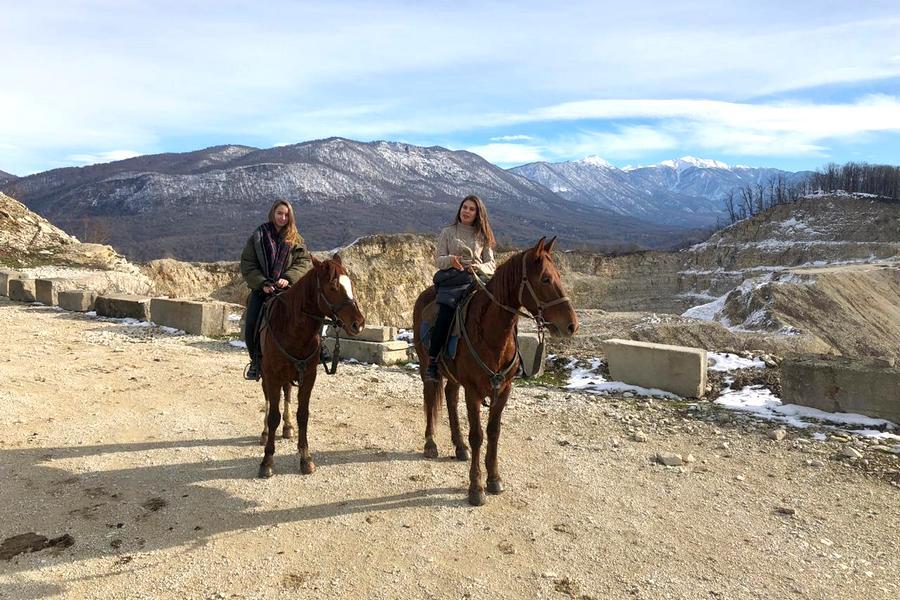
[482, 224]
[289, 232]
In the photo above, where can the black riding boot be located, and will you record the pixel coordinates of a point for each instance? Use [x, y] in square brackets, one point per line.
[438, 340]
[254, 306]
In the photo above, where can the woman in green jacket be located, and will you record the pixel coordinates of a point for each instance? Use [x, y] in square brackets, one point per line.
[274, 258]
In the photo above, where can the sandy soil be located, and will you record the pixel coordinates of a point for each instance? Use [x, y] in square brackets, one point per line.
[143, 446]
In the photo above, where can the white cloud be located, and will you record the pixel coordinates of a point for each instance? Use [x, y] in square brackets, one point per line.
[512, 138]
[508, 154]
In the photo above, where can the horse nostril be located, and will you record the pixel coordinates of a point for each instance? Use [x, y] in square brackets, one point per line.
[355, 327]
[572, 328]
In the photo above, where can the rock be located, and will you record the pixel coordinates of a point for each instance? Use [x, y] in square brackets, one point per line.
[851, 452]
[669, 459]
[723, 446]
[815, 463]
[690, 458]
[785, 510]
[639, 436]
[777, 434]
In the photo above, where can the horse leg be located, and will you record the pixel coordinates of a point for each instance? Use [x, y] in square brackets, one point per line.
[494, 481]
[432, 391]
[476, 436]
[273, 397]
[287, 430]
[307, 466]
[451, 393]
[264, 436]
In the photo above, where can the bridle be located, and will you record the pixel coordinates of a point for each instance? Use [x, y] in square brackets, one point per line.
[333, 321]
[538, 314]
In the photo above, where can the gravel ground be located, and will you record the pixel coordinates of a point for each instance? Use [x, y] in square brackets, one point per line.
[143, 447]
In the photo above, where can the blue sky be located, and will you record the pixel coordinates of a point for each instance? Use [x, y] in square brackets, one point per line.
[754, 83]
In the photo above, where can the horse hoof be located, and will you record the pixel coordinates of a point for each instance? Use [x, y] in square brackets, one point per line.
[263, 439]
[287, 433]
[462, 453]
[431, 450]
[307, 467]
[495, 487]
[476, 497]
[265, 472]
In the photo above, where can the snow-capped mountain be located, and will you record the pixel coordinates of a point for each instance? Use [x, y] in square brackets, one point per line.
[202, 205]
[687, 191]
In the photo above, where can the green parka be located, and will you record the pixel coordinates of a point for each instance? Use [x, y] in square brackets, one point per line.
[298, 263]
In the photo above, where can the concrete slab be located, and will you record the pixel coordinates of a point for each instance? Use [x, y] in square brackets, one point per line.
[201, 318]
[677, 369]
[22, 290]
[46, 290]
[379, 353]
[5, 276]
[122, 306]
[76, 300]
[868, 387]
[528, 346]
[372, 333]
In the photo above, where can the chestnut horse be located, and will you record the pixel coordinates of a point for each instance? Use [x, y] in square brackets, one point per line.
[487, 357]
[291, 341]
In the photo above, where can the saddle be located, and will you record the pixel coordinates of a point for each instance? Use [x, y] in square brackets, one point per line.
[429, 316]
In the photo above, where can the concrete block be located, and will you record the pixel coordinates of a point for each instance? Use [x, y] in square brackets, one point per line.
[528, 346]
[121, 306]
[372, 333]
[5, 276]
[46, 290]
[202, 318]
[677, 369]
[76, 300]
[22, 290]
[379, 353]
[868, 387]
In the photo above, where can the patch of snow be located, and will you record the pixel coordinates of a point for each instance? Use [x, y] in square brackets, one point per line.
[589, 380]
[404, 335]
[730, 362]
[234, 317]
[171, 330]
[708, 311]
[762, 403]
[238, 344]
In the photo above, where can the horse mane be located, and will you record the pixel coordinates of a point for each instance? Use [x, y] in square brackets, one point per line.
[504, 285]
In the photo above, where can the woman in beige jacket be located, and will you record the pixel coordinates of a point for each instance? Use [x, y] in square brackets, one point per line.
[464, 250]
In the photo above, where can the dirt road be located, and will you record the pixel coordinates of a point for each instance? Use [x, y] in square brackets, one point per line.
[143, 446]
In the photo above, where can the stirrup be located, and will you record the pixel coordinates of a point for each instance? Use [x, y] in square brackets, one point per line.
[251, 372]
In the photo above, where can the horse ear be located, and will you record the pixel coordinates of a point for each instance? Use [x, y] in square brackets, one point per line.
[316, 263]
[539, 247]
[551, 245]
[337, 258]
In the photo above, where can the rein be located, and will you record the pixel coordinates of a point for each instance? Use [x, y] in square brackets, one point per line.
[336, 325]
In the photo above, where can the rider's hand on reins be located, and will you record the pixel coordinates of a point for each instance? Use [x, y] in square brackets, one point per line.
[455, 263]
[282, 283]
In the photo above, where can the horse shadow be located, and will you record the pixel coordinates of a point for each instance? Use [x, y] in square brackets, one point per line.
[141, 508]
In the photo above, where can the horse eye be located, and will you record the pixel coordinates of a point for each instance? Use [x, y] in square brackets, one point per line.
[545, 280]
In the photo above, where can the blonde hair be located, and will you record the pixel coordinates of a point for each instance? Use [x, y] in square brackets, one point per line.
[289, 232]
[482, 224]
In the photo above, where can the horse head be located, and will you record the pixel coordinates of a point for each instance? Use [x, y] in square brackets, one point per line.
[542, 291]
[336, 295]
